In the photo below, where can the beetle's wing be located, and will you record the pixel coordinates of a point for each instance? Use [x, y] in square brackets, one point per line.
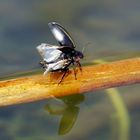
[48, 52]
[61, 35]
[56, 66]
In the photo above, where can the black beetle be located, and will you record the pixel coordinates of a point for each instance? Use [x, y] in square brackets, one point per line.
[57, 58]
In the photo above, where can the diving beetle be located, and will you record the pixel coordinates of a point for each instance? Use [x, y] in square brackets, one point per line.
[59, 58]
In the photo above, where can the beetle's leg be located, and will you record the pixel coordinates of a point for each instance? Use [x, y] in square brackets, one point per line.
[79, 65]
[43, 64]
[65, 71]
[74, 69]
[46, 71]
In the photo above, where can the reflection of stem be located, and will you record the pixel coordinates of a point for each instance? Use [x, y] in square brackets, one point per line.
[68, 119]
[68, 109]
[121, 111]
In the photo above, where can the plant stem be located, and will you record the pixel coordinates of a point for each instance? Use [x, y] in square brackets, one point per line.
[94, 77]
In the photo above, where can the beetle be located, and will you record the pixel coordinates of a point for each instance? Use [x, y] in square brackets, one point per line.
[59, 58]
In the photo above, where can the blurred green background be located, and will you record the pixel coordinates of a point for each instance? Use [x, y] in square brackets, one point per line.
[109, 30]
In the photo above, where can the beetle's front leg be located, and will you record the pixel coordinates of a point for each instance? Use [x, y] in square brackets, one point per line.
[79, 65]
[65, 71]
[74, 69]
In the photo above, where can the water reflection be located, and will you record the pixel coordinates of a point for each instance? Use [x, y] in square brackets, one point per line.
[68, 108]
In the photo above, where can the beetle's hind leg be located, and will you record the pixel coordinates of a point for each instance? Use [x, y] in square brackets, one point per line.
[43, 64]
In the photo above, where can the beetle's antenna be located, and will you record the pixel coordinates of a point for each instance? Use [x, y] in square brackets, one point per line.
[87, 44]
[83, 49]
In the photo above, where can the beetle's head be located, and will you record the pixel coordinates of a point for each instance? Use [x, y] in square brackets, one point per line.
[79, 54]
